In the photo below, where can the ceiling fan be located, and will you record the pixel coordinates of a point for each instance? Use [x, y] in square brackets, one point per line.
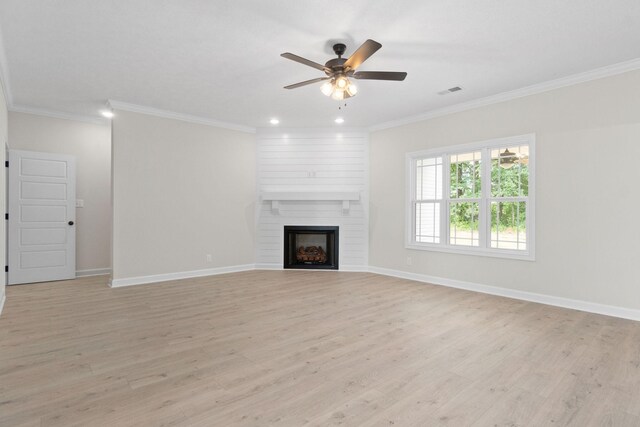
[339, 70]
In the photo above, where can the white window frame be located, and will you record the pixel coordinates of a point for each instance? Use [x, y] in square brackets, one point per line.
[484, 225]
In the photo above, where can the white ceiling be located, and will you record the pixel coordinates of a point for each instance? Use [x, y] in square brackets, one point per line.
[221, 59]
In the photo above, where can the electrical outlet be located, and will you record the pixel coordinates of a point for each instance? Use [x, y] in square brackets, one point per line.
[209, 258]
[409, 261]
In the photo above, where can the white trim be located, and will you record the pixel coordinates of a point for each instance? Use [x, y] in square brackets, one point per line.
[353, 268]
[343, 268]
[2, 301]
[472, 250]
[444, 246]
[93, 272]
[310, 195]
[590, 307]
[124, 106]
[141, 280]
[275, 197]
[598, 73]
[4, 74]
[58, 114]
[311, 133]
[607, 71]
[268, 266]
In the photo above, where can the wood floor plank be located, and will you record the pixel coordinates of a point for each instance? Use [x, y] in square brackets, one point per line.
[292, 348]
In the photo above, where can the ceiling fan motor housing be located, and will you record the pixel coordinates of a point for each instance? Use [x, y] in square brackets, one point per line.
[339, 49]
[336, 65]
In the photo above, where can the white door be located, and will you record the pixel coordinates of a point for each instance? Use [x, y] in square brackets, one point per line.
[42, 232]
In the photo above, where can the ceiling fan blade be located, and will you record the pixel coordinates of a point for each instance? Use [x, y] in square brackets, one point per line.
[380, 75]
[307, 82]
[304, 61]
[367, 49]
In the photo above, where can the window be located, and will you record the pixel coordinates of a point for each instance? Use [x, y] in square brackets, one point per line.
[476, 198]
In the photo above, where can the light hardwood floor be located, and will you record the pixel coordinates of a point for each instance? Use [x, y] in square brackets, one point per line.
[293, 348]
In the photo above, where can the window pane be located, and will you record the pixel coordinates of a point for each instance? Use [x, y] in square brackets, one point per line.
[510, 171]
[509, 225]
[429, 178]
[465, 175]
[463, 223]
[427, 222]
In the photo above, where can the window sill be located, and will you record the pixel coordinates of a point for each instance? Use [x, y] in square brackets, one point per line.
[493, 253]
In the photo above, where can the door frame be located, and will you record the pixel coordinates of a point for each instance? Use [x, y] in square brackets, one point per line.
[68, 269]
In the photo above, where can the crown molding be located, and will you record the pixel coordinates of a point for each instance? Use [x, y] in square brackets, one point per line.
[587, 76]
[598, 73]
[124, 106]
[57, 114]
[333, 132]
[4, 74]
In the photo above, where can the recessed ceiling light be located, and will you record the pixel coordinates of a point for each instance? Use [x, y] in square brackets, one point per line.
[339, 120]
[274, 121]
[106, 113]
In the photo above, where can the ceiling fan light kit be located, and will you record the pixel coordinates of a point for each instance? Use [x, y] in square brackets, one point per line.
[339, 88]
[339, 71]
[327, 88]
[509, 159]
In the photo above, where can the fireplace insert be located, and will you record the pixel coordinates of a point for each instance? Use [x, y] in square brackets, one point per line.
[313, 247]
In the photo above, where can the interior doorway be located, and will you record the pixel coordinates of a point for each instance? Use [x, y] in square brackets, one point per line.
[41, 225]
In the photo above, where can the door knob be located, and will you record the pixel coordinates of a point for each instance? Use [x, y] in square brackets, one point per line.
[70, 222]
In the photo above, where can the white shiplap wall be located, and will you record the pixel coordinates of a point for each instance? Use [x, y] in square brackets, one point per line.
[313, 161]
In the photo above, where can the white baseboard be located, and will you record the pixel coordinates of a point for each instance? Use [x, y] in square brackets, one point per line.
[141, 280]
[591, 307]
[93, 272]
[270, 266]
[2, 300]
[355, 268]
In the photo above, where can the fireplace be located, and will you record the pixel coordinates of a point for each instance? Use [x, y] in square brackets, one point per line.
[313, 247]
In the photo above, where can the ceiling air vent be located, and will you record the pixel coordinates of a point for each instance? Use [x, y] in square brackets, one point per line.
[450, 90]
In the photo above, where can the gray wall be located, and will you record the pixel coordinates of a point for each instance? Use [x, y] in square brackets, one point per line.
[587, 199]
[180, 191]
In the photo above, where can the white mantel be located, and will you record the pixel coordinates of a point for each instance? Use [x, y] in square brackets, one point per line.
[345, 197]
